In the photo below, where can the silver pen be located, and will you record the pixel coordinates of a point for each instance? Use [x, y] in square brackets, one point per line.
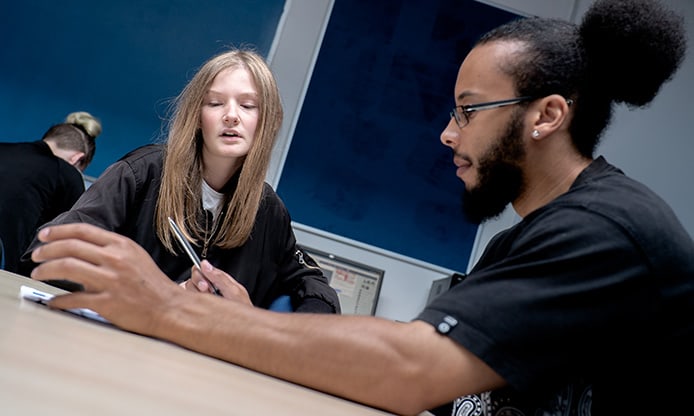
[191, 253]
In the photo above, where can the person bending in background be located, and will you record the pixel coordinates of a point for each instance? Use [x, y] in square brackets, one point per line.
[42, 179]
[586, 306]
[209, 177]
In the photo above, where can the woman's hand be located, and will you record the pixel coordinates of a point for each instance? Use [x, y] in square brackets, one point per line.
[227, 285]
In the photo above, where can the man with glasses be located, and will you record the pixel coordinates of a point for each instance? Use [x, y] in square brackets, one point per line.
[497, 187]
[584, 307]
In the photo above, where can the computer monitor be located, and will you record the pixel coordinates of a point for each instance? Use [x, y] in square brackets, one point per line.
[357, 285]
[438, 287]
[442, 285]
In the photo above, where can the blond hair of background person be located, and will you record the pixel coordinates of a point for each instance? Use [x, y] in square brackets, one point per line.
[209, 177]
[74, 140]
[42, 179]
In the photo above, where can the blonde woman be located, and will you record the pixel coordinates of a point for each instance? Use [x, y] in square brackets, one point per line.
[209, 178]
[42, 179]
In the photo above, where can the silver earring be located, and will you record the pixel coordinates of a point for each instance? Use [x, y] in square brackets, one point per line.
[535, 134]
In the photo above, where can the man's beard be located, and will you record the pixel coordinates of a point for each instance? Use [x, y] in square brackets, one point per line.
[500, 178]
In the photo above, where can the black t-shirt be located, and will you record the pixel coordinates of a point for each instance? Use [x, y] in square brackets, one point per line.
[594, 289]
[35, 187]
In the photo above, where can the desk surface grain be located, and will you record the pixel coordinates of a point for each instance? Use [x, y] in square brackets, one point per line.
[53, 362]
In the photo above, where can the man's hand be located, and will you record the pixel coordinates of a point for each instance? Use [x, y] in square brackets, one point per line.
[121, 281]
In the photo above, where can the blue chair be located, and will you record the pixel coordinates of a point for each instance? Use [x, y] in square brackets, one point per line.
[282, 304]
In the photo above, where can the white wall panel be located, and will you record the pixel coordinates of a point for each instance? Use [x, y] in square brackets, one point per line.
[563, 9]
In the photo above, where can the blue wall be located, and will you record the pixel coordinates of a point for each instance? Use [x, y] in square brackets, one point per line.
[121, 61]
[365, 160]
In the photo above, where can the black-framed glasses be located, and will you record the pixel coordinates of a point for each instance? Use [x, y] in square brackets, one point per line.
[461, 113]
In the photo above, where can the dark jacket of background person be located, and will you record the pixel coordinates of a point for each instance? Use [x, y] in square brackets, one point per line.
[36, 186]
[42, 179]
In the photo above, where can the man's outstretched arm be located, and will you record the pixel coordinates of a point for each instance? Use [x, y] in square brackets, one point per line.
[400, 367]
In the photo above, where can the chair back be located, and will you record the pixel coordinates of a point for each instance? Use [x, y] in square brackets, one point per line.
[282, 304]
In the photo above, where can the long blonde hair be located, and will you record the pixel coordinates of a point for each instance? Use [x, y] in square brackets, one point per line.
[180, 196]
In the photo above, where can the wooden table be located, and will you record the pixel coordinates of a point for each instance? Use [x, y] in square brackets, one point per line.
[53, 362]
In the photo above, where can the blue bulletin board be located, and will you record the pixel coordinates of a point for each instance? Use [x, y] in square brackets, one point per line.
[365, 161]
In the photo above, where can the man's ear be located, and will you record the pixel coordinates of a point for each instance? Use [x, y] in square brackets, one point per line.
[76, 160]
[553, 111]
